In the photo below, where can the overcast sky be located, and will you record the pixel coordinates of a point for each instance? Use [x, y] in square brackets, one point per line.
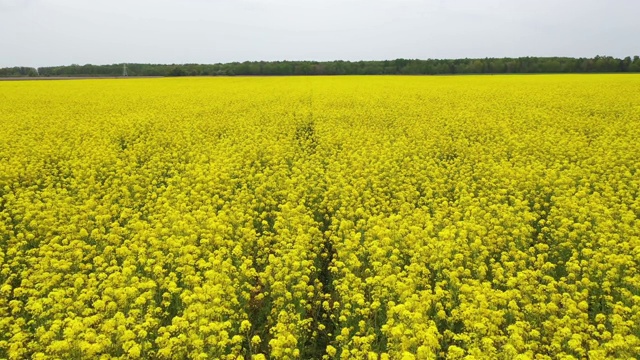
[62, 32]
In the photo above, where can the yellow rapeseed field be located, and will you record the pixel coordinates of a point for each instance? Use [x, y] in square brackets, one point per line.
[476, 217]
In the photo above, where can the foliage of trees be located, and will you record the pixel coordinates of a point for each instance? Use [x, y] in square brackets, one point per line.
[522, 65]
[18, 71]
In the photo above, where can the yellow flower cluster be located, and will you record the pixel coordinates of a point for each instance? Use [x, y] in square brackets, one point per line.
[321, 217]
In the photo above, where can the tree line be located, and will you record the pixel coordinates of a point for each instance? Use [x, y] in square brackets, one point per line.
[522, 65]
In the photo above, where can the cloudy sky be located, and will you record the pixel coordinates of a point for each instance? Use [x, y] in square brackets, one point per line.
[60, 32]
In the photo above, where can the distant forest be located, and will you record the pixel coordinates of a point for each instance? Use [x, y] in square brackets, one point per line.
[522, 65]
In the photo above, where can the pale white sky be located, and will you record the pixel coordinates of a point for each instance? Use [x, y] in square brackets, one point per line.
[62, 32]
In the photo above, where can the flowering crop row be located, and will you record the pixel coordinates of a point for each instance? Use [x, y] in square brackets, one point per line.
[317, 217]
